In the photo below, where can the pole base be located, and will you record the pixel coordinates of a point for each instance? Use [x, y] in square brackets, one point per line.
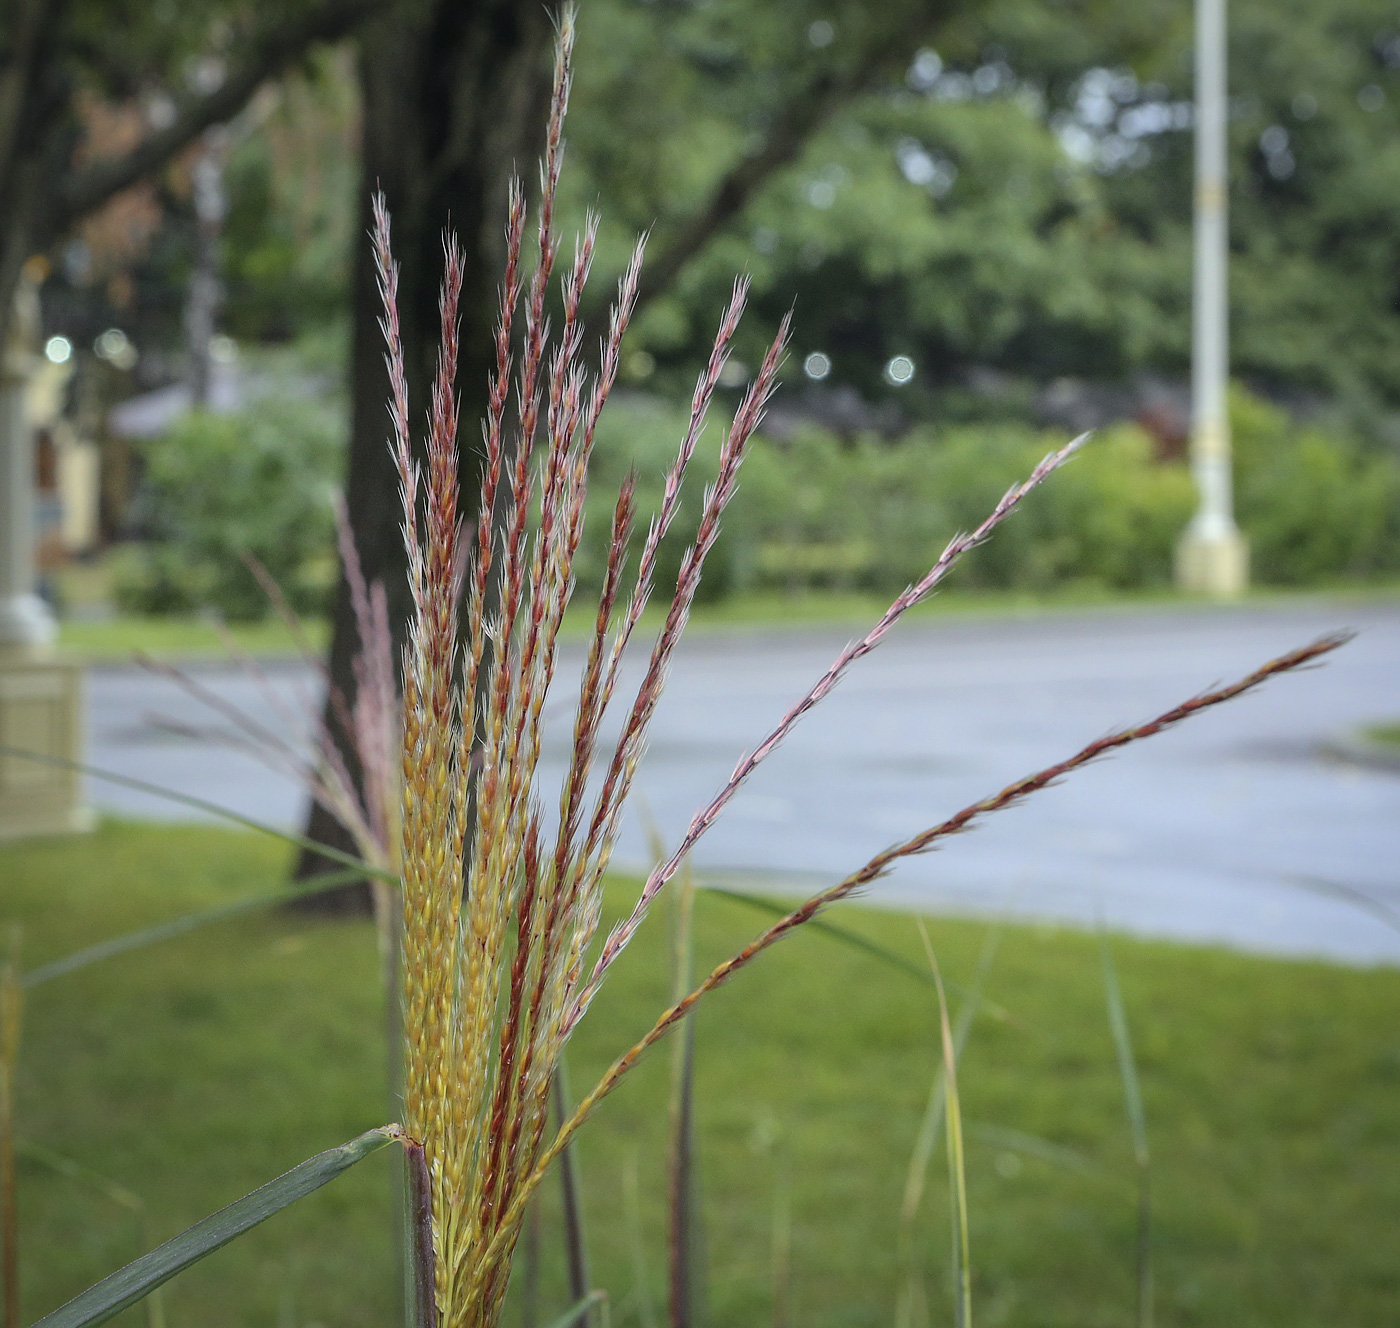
[25, 621]
[41, 712]
[1214, 564]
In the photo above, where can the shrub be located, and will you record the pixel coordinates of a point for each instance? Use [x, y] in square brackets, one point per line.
[814, 512]
[218, 487]
[1314, 506]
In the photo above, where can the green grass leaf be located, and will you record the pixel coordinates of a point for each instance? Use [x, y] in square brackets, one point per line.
[858, 942]
[200, 804]
[957, 1162]
[574, 1314]
[139, 1278]
[164, 931]
[1137, 1124]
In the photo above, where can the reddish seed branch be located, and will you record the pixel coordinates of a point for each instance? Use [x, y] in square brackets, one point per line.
[618, 781]
[388, 277]
[703, 819]
[670, 499]
[878, 865]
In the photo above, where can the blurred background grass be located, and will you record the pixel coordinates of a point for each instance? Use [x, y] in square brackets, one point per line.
[194, 1070]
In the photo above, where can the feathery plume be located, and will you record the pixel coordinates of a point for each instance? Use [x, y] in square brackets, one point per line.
[501, 910]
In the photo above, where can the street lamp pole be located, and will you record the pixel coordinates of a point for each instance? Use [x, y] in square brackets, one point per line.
[1212, 558]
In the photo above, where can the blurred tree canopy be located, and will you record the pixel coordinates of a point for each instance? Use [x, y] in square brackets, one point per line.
[98, 96]
[1019, 198]
[994, 185]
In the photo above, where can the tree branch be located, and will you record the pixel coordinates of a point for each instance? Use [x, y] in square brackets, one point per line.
[31, 24]
[793, 128]
[271, 53]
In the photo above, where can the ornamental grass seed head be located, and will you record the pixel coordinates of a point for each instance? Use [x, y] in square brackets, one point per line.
[502, 902]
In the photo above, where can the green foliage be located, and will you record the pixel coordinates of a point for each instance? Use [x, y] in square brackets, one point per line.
[1024, 202]
[1314, 506]
[221, 486]
[815, 512]
[292, 190]
[1110, 517]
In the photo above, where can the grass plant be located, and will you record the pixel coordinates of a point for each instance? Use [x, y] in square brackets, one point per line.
[498, 925]
[502, 947]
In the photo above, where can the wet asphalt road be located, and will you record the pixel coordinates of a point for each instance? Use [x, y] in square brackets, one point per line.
[1236, 828]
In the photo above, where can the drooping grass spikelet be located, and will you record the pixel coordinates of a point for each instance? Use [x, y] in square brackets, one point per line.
[881, 863]
[314, 744]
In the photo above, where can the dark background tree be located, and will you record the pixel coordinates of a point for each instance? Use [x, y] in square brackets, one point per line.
[453, 98]
[200, 63]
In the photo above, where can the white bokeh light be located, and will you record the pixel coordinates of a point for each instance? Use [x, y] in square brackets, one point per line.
[899, 371]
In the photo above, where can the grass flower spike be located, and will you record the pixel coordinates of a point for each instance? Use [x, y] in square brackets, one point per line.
[502, 893]
[497, 918]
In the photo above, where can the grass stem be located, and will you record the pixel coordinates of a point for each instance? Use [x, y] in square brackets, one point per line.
[11, 1016]
[1137, 1125]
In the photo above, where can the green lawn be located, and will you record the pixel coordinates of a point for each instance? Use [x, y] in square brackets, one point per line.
[192, 1071]
[1386, 735]
[117, 639]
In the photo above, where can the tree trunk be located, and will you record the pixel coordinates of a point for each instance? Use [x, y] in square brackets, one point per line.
[454, 101]
[34, 92]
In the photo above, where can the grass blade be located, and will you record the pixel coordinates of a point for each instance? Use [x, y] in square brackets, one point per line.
[933, 1114]
[164, 931]
[684, 1262]
[782, 1242]
[66, 1167]
[1032, 1145]
[110, 1189]
[1350, 894]
[201, 804]
[530, 1268]
[957, 1170]
[858, 942]
[911, 1307]
[1137, 1124]
[575, 1233]
[576, 1313]
[11, 1015]
[128, 1285]
[632, 1200]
